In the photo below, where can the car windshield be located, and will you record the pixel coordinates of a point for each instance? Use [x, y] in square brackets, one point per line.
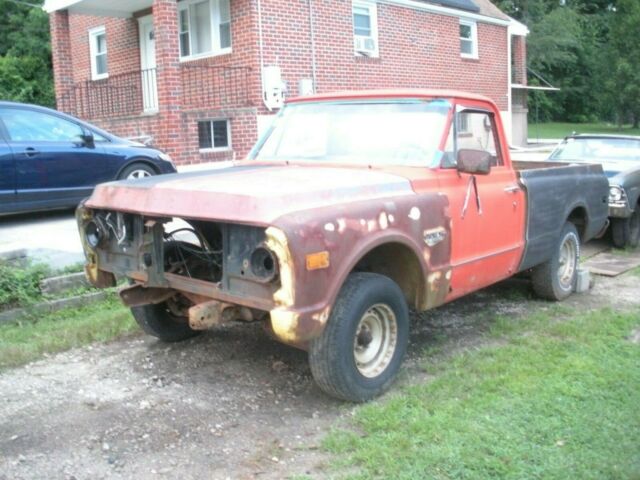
[371, 133]
[598, 149]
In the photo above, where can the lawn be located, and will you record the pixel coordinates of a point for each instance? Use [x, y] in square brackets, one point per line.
[558, 130]
[555, 398]
[32, 338]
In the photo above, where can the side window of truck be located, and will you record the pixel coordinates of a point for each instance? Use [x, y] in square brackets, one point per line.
[473, 130]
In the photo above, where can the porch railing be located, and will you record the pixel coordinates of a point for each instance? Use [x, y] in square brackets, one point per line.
[122, 95]
[134, 93]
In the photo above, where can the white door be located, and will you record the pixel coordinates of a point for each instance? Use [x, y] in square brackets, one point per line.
[148, 64]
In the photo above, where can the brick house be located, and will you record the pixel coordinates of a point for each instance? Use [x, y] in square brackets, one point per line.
[201, 78]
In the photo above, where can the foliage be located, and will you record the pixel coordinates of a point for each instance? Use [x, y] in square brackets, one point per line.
[25, 54]
[20, 285]
[559, 402]
[624, 60]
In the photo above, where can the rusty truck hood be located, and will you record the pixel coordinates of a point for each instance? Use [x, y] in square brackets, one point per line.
[247, 192]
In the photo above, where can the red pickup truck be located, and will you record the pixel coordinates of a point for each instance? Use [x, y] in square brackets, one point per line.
[350, 209]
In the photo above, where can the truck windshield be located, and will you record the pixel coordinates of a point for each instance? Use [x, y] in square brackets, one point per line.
[369, 133]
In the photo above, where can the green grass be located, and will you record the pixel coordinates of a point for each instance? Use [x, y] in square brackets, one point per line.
[34, 337]
[556, 399]
[560, 130]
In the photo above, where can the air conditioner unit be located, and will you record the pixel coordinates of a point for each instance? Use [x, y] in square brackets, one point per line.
[365, 45]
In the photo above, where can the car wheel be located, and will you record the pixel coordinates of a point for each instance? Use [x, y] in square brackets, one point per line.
[556, 278]
[136, 170]
[362, 346]
[625, 232]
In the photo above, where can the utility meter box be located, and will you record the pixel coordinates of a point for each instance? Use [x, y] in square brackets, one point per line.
[272, 87]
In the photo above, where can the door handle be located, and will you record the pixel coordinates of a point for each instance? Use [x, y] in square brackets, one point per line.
[512, 188]
[31, 152]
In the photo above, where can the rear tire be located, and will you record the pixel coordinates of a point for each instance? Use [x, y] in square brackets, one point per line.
[625, 232]
[157, 320]
[556, 278]
[363, 344]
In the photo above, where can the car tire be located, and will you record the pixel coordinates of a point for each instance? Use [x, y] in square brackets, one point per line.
[158, 321]
[556, 278]
[360, 351]
[625, 232]
[136, 171]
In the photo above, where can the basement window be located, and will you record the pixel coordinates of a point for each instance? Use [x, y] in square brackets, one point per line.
[468, 39]
[98, 53]
[204, 28]
[214, 135]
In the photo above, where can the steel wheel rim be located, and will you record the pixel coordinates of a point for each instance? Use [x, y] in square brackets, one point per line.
[567, 263]
[138, 174]
[375, 340]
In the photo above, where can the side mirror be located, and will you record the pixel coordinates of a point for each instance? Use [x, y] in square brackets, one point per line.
[87, 140]
[473, 161]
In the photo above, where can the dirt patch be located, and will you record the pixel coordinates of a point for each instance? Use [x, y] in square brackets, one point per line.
[231, 403]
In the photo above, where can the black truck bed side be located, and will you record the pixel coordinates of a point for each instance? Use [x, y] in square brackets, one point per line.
[556, 191]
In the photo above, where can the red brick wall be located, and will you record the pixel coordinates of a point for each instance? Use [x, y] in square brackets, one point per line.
[519, 54]
[417, 49]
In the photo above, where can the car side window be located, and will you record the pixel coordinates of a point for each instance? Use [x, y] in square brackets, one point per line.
[31, 126]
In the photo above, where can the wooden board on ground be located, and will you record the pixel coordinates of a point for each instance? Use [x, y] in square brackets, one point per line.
[612, 264]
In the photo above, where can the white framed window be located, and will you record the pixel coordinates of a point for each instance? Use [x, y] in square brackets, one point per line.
[365, 28]
[98, 53]
[204, 28]
[214, 135]
[468, 39]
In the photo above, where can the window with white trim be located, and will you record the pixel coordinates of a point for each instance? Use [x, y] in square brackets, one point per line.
[98, 53]
[204, 28]
[365, 28]
[468, 39]
[214, 134]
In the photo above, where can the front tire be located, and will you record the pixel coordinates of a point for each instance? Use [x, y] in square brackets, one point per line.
[625, 232]
[136, 171]
[364, 342]
[158, 321]
[556, 278]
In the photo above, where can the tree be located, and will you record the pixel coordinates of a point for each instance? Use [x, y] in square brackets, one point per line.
[624, 62]
[25, 54]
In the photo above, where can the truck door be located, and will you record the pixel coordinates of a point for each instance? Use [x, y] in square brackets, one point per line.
[487, 211]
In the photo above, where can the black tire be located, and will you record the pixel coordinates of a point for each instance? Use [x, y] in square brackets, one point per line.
[549, 282]
[625, 232]
[364, 297]
[141, 169]
[157, 320]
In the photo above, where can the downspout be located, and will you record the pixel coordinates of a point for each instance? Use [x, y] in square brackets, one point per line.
[261, 54]
[313, 46]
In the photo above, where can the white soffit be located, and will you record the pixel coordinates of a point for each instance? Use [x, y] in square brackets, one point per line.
[113, 8]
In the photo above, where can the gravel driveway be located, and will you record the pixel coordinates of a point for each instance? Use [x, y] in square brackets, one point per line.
[231, 403]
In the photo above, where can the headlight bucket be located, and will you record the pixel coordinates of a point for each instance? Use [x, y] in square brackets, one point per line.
[616, 194]
[264, 264]
[95, 233]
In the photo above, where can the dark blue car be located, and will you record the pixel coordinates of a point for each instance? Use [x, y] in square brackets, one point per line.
[49, 160]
